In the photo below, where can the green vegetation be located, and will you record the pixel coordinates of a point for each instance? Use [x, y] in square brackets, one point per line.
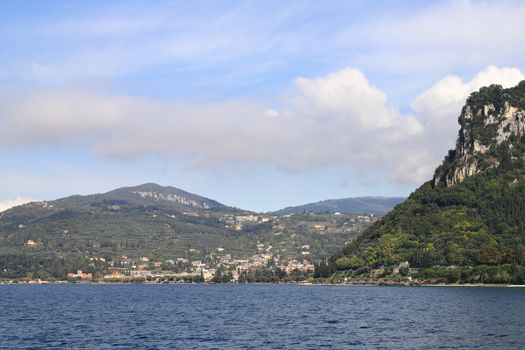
[47, 240]
[43, 266]
[476, 223]
[472, 231]
[325, 269]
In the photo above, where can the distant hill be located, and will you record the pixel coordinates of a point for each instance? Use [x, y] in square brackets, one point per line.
[356, 205]
[50, 238]
[146, 195]
[131, 220]
[468, 223]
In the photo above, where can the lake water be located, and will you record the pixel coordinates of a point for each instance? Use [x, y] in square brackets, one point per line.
[260, 317]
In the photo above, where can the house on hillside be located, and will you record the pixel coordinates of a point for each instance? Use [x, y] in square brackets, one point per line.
[31, 243]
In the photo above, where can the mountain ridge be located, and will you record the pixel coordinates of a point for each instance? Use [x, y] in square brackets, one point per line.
[377, 205]
[148, 193]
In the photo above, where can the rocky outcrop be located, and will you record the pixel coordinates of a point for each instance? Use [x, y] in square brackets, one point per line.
[492, 125]
[171, 197]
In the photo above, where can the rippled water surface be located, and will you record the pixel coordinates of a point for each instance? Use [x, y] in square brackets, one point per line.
[260, 317]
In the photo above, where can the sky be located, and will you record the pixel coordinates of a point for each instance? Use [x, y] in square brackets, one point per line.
[256, 104]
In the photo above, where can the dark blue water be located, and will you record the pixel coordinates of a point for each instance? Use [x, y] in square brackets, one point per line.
[260, 317]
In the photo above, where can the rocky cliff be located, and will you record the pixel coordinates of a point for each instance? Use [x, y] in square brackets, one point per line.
[468, 223]
[491, 134]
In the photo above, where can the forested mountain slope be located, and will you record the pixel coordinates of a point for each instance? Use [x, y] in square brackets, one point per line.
[470, 218]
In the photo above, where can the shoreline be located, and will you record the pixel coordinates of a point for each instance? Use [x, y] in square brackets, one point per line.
[368, 284]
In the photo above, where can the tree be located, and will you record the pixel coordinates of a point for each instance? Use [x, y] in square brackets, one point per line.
[489, 255]
[349, 263]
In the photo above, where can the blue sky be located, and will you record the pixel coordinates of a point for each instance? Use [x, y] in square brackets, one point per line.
[256, 104]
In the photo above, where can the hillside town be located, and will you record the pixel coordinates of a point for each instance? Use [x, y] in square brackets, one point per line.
[281, 254]
[261, 248]
[185, 270]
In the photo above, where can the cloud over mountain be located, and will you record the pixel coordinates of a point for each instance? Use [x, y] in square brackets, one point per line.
[10, 203]
[337, 119]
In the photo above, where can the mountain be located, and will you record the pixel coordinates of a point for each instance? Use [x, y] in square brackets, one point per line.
[133, 220]
[467, 224]
[356, 205]
[146, 195]
[98, 232]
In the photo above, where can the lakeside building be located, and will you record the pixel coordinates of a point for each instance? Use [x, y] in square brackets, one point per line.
[80, 275]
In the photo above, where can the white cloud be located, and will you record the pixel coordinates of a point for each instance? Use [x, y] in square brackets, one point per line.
[338, 119]
[345, 94]
[60, 116]
[449, 94]
[351, 123]
[438, 108]
[10, 203]
[327, 121]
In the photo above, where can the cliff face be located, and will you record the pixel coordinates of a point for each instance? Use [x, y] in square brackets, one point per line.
[471, 215]
[491, 134]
